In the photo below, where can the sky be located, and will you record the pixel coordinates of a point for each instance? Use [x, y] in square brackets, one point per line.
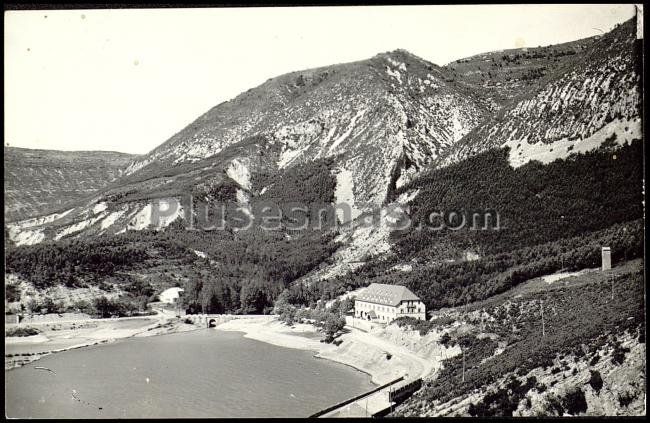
[127, 80]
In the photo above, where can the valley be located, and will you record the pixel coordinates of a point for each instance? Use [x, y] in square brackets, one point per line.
[487, 187]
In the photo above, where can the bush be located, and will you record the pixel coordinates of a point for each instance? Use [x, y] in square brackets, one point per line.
[12, 293]
[626, 399]
[618, 356]
[596, 381]
[445, 339]
[574, 402]
[554, 406]
[22, 331]
[503, 401]
[422, 326]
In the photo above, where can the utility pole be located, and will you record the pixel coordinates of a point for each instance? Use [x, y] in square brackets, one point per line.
[541, 305]
[612, 279]
[463, 349]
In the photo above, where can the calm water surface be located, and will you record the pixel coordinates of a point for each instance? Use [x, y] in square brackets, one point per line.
[206, 373]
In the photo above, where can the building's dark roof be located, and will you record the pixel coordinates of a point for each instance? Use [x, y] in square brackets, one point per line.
[392, 295]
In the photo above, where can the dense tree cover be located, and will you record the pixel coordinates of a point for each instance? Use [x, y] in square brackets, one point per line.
[446, 284]
[79, 261]
[245, 271]
[125, 305]
[536, 203]
[555, 216]
[306, 183]
[331, 320]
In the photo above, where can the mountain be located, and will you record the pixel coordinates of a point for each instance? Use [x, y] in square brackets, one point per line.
[592, 97]
[41, 181]
[393, 130]
[394, 111]
[497, 77]
[512, 169]
[383, 119]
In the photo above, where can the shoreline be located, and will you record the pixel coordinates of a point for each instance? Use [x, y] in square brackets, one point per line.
[61, 336]
[352, 366]
[359, 350]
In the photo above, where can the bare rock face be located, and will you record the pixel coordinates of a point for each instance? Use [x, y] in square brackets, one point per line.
[592, 98]
[381, 122]
[383, 118]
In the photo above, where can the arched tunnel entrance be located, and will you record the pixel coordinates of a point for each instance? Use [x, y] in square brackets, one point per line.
[212, 323]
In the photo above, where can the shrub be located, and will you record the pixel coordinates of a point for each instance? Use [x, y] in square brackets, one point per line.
[575, 402]
[422, 326]
[626, 399]
[12, 293]
[554, 406]
[503, 401]
[445, 339]
[22, 331]
[618, 356]
[596, 381]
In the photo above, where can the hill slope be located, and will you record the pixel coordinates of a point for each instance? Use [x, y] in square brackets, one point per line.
[363, 133]
[498, 77]
[42, 181]
[392, 113]
[588, 358]
[591, 98]
[382, 120]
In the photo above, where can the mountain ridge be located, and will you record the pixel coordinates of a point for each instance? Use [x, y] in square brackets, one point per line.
[39, 181]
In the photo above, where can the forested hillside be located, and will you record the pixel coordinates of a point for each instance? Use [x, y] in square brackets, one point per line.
[366, 133]
[552, 217]
[221, 270]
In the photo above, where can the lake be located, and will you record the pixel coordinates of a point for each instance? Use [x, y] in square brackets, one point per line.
[205, 373]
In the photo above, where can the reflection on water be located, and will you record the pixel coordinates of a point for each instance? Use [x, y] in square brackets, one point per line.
[207, 373]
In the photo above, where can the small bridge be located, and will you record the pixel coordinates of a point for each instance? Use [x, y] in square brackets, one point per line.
[210, 320]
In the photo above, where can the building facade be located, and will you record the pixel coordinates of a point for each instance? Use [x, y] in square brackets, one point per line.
[384, 303]
[171, 295]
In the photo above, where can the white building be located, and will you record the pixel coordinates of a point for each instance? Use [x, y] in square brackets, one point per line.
[385, 303]
[170, 295]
